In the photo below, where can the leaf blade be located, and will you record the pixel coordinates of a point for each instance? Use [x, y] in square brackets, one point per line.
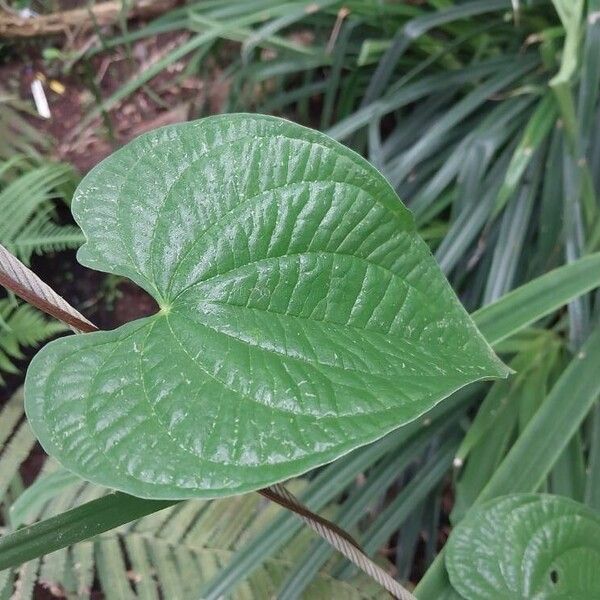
[514, 563]
[295, 294]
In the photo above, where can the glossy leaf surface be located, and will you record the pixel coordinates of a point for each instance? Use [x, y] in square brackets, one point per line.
[300, 314]
[526, 546]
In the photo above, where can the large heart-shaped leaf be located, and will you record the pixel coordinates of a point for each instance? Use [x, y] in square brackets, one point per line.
[526, 546]
[300, 314]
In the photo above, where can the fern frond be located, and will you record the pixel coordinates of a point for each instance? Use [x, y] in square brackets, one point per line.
[173, 553]
[16, 442]
[82, 561]
[16, 451]
[27, 194]
[16, 164]
[11, 414]
[6, 366]
[28, 190]
[22, 326]
[26, 578]
[41, 236]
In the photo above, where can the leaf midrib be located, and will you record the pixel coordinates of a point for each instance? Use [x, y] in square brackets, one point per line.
[267, 406]
[403, 278]
[384, 338]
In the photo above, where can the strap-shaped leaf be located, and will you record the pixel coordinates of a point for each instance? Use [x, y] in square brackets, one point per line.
[300, 314]
[526, 546]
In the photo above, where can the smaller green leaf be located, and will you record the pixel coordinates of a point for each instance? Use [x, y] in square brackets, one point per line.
[526, 546]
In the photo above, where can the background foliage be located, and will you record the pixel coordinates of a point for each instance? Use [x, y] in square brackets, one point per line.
[484, 115]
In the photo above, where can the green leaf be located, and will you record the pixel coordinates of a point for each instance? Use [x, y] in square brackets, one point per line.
[526, 546]
[96, 516]
[538, 298]
[300, 314]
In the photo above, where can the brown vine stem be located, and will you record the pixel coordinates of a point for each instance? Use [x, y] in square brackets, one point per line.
[17, 278]
[23, 282]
